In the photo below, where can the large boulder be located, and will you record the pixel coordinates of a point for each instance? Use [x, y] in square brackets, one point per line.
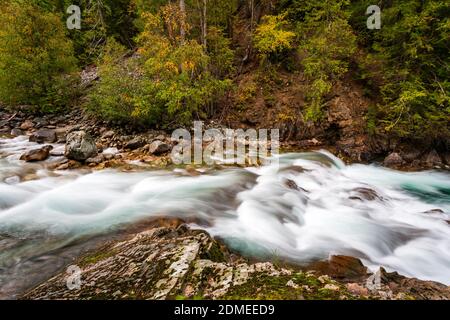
[95, 160]
[44, 135]
[80, 146]
[342, 268]
[34, 155]
[170, 262]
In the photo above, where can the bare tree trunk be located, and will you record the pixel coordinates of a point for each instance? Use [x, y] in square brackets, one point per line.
[204, 25]
[183, 21]
[252, 11]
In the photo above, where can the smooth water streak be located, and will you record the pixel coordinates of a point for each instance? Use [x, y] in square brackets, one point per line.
[308, 207]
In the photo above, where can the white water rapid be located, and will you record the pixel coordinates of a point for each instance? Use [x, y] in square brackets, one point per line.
[308, 208]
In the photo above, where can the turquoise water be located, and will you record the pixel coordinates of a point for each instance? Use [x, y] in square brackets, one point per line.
[306, 208]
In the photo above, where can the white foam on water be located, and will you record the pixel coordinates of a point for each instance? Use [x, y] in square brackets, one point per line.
[307, 208]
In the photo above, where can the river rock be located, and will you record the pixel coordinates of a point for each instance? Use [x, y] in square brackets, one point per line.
[12, 180]
[135, 143]
[27, 125]
[392, 160]
[158, 147]
[61, 133]
[110, 153]
[56, 153]
[170, 262]
[7, 242]
[95, 160]
[357, 289]
[291, 184]
[80, 146]
[433, 159]
[108, 134]
[343, 268]
[37, 154]
[161, 263]
[365, 194]
[160, 137]
[418, 289]
[99, 146]
[63, 166]
[40, 122]
[16, 132]
[44, 135]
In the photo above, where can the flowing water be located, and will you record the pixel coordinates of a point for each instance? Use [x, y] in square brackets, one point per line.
[308, 207]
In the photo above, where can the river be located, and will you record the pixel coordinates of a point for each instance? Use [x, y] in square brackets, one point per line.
[305, 209]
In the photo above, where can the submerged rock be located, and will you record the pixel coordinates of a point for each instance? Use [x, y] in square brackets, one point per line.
[80, 146]
[40, 154]
[365, 194]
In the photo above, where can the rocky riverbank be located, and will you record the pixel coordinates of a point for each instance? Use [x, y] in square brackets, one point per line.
[90, 142]
[114, 145]
[178, 263]
[174, 262]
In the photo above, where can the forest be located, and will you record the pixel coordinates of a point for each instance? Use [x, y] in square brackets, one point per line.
[136, 163]
[164, 63]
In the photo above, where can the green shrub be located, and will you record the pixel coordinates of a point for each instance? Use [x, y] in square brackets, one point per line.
[176, 74]
[413, 44]
[220, 54]
[168, 81]
[35, 58]
[326, 44]
[317, 90]
[271, 39]
[120, 89]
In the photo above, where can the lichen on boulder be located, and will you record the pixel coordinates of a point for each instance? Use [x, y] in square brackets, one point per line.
[80, 146]
[180, 263]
